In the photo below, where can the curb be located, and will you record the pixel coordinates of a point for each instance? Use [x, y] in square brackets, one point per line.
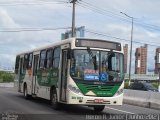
[142, 99]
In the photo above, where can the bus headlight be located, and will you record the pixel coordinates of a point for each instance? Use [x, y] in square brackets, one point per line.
[74, 89]
[120, 91]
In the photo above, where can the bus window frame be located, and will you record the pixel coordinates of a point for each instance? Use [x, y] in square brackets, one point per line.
[17, 64]
[30, 60]
[51, 59]
[25, 61]
[44, 62]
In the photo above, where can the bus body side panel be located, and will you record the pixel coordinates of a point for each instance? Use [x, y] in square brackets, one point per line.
[45, 79]
[37, 87]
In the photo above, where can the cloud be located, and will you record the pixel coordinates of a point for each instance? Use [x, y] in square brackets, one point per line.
[59, 15]
[5, 20]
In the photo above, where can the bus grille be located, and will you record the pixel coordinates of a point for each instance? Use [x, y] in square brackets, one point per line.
[99, 87]
[98, 90]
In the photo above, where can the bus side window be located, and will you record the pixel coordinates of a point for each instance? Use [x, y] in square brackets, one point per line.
[17, 64]
[25, 63]
[56, 57]
[22, 65]
[30, 61]
[49, 58]
[43, 59]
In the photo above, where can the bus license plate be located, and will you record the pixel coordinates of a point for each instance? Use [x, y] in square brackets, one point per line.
[98, 100]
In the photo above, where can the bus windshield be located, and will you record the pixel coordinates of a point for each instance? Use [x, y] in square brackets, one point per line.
[95, 65]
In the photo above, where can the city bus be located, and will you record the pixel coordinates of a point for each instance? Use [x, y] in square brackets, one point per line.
[80, 71]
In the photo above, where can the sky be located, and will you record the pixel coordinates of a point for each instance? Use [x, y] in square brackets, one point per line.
[101, 17]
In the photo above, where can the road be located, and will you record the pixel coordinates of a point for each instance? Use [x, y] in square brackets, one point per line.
[12, 102]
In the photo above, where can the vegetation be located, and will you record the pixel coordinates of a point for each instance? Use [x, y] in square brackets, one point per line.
[155, 84]
[126, 85]
[6, 77]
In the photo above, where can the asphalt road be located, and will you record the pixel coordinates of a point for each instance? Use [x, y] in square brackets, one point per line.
[13, 105]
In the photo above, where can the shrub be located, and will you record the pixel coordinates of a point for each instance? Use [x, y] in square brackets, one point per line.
[6, 77]
[126, 85]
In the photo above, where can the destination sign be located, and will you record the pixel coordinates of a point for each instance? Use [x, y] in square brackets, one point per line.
[98, 44]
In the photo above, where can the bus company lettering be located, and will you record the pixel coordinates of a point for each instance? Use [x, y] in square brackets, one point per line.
[55, 74]
[91, 74]
[88, 71]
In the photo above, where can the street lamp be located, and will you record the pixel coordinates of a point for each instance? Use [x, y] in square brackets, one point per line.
[130, 48]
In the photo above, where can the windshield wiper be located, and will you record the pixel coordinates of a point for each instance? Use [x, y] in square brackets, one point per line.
[93, 58]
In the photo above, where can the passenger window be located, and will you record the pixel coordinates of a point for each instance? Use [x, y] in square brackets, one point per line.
[22, 65]
[43, 59]
[30, 60]
[49, 58]
[17, 64]
[56, 57]
[25, 64]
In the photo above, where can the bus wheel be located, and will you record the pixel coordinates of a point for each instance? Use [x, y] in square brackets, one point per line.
[54, 100]
[25, 92]
[99, 108]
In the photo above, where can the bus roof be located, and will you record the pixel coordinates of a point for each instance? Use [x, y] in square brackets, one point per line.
[69, 40]
[48, 46]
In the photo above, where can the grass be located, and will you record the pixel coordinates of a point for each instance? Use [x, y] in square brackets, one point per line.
[155, 84]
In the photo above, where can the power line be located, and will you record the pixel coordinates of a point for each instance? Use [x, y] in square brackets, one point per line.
[112, 14]
[32, 3]
[87, 30]
[117, 15]
[102, 34]
[36, 29]
[118, 38]
[103, 10]
[100, 11]
[88, 6]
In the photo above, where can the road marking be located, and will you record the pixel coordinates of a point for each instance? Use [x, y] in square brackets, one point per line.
[120, 110]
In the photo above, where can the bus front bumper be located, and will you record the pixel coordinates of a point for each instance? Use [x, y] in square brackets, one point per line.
[74, 98]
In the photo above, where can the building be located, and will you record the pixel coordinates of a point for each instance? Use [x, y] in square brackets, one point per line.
[141, 60]
[157, 60]
[79, 32]
[125, 48]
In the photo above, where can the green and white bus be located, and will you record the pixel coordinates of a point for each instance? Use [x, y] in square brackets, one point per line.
[74, 71]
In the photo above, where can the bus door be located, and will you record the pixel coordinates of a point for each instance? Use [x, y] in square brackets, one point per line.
[64, 71]
[21, 73]
[35, 68]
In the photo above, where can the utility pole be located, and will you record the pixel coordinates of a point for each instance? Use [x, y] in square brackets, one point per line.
[73, 17]
[130, 61]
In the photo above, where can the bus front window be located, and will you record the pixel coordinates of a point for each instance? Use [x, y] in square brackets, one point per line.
[92, 65]
[83, 65]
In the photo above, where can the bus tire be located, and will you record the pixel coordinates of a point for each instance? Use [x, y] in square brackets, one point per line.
[54, 100]
[25, 92]
[99, 108]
